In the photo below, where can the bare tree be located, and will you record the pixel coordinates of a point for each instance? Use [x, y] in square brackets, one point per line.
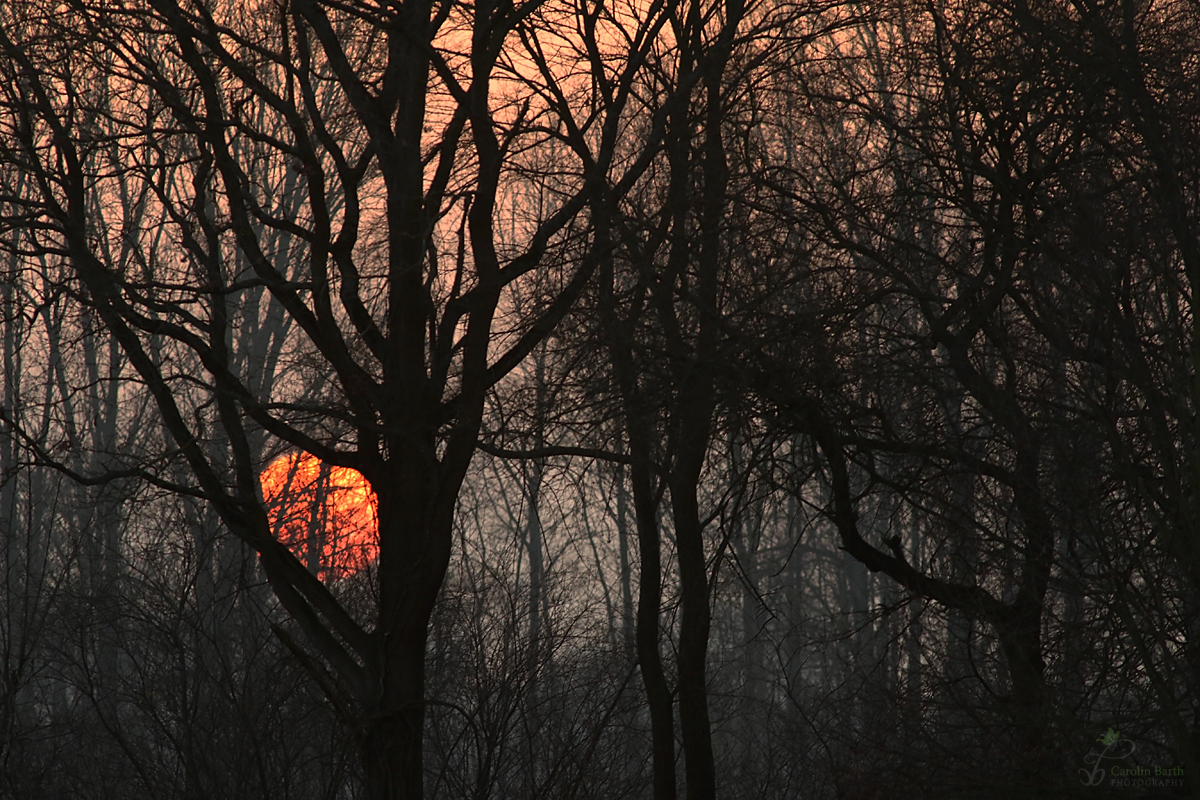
[404, 131]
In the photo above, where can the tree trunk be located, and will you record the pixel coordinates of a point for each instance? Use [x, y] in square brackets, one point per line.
[628, 629]
[415, 515]
[693, 644]
[658, 695]
[1020, 639]
[392, 739]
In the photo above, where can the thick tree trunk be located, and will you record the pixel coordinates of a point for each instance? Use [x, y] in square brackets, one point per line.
[1020, 639]
[392, 737]
[415, 515]
[693, 645]
[1188, 743]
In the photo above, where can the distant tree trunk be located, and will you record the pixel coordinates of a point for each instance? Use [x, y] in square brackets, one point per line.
[794, 594]
[628, 628]
[913, 687]
[533, 478]
[745, 538]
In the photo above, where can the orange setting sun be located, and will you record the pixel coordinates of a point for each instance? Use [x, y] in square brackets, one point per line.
[325, 514]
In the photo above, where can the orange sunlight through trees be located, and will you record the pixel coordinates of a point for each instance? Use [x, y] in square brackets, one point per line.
[325, 514]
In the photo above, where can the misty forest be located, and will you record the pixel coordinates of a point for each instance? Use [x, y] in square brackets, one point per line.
[614, 399]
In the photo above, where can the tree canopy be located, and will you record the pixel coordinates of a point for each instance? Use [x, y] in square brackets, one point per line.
[587, 399]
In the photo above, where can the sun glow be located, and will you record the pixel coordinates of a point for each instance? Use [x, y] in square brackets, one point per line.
[325, 514]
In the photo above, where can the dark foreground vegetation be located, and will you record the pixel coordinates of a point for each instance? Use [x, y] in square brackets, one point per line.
[761, 400]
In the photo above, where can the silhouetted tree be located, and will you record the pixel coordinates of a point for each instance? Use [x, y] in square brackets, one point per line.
[157, 143]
